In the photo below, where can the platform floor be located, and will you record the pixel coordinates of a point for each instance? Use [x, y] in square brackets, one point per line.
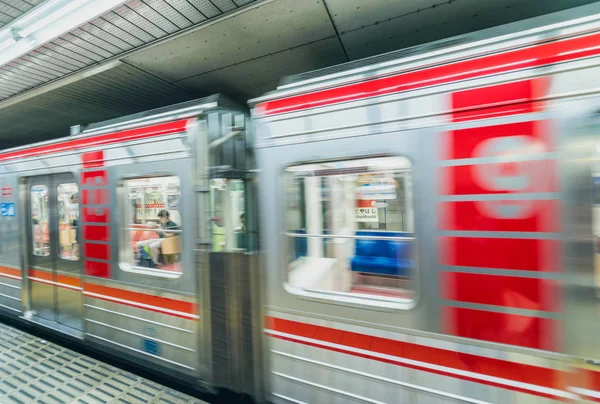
[35, 371]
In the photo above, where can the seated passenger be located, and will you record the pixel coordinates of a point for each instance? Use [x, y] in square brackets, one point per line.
[155, 244]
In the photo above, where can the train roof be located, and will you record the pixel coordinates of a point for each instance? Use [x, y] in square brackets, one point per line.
[175, 111]
[521, 33]
[182, 110]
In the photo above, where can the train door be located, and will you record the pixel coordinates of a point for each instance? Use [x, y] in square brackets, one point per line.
[54, 270]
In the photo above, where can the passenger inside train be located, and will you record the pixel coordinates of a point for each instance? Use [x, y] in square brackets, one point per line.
[154, 225]
[350, 227]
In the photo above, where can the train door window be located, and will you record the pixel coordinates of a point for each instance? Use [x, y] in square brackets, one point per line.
[40, 223]
[228, 217]
[68, 220]
[152, 226]
[349, 229]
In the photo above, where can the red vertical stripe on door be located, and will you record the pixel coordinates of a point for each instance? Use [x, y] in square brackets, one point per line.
[96, 215]
[98, 269]
[95, 196]
[94, 178]
[501, 253]
[507, 291]
[96, 233]
[97, 251]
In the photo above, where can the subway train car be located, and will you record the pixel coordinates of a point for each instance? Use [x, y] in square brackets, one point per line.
[428, 222]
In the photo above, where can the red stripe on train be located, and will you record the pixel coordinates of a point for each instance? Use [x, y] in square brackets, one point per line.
[501, 253]
[534, 56]
[100, 140]
[454, 361]
[10, 273]
[497, 290]
[159, 304]
[68, 282]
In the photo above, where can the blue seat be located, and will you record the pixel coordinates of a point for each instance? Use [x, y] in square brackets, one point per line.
[383, 257]
[301, 243]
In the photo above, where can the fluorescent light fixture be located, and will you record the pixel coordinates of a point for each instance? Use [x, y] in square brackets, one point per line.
[48, 21]
[52, 17]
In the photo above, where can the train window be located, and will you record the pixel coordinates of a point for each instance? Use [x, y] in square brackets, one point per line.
[39, 218]
[152, 243]
[68, 221]
[228, 224]
[349, 229]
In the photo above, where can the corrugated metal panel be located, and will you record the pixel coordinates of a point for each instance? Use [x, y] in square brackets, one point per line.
[134, 24]
[13, 9]
[113, 93]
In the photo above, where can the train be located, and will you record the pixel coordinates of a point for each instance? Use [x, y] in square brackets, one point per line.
[416, 227]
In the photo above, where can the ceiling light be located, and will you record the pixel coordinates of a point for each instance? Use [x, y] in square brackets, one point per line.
[61, 12]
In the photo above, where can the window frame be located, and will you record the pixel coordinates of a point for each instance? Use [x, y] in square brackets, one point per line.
[49, 255]
[345, 298]
[124, 231]
[78, 226]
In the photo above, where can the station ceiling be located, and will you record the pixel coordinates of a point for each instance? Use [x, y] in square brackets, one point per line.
[150, 53]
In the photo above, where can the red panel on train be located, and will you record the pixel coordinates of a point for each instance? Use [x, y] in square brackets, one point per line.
[97, 251]
[513, 329]
[96, 215]
[499, 178]
[95, 178]
[98, 269]
[93, 159]
[96, 233]
[508, 291]
[95, 197]
[503, 215]
[511, 141]
[502, 253]
[499, 100]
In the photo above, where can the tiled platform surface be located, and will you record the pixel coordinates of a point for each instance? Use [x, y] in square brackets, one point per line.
[35, 371]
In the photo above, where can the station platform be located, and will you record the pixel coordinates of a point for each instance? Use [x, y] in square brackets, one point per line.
[33, 370]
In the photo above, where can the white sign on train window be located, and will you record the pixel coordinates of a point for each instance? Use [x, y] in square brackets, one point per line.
[379, 189]
[366, 215]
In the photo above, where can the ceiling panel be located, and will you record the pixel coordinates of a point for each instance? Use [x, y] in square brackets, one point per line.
[246, 80]
[268, 29]
[384, 26]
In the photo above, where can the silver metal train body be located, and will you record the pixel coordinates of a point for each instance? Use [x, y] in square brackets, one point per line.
[428, 228]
